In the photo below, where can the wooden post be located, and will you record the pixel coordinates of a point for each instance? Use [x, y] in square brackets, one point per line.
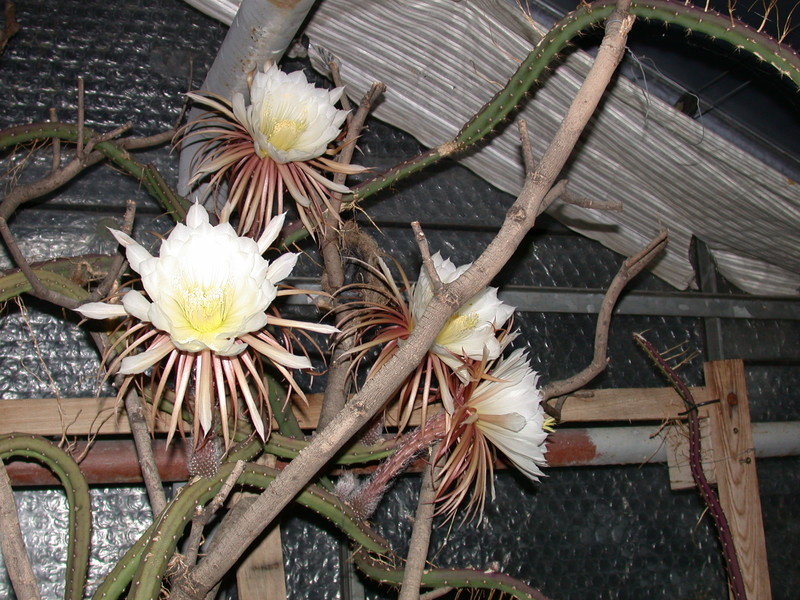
[737, 481]
[677, 441]
[261, 575]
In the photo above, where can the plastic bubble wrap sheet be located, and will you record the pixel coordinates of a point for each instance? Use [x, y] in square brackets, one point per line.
[581, 533]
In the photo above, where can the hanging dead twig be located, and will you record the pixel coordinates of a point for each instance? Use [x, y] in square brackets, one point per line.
[629, 269]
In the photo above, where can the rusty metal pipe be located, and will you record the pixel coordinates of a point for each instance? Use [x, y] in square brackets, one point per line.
[113, 462]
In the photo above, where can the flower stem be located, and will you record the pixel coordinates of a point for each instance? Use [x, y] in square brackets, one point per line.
[366, 499]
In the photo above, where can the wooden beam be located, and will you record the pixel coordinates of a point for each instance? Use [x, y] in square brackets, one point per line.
[94, 416]
[54, 416]
[108, 462]
[105, 416]
[737, 480]
[627, 405]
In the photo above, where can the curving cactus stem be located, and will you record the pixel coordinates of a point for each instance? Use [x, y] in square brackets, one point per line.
[144, 566]
[175, 205]
[79, 527]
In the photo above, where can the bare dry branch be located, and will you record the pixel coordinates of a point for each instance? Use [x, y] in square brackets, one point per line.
[81, 116]
[15, 555]
[583, 202]
[421, 535]
[425, 251]
[144, 450]
[337, 388]
[118, 265]
[202, 518]
[38, 289]
[527, 150]
[629, 269]
[56, 164]
[10, 26]
[59, 177]
[107, 136]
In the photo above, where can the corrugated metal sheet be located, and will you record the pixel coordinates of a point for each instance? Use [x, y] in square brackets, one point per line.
[441, 60]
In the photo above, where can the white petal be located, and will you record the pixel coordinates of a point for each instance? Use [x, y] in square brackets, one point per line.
[287, 359]
[139, 363]
[513, 422]
[123, 238]
[101, 310]
[277, 354]
[271, 232]
[134, 252]
[239, 111]
[336, 94]
[317, 327]
[235, 347]
[281, 267]
[308, 326]
[196, 216]
[160, 318]
[446, 270]
[137, 305]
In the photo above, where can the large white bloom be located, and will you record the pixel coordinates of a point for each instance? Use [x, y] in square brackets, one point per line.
[471, 331]
[288, 118]
[502, 410]
[270, 140]
[207, 287]
[204, 308]
[508, 412]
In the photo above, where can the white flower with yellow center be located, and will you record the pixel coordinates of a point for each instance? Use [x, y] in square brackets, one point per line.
[268, 141]
[503, 410]
[289, 119]
[471, 331]
[206, 296]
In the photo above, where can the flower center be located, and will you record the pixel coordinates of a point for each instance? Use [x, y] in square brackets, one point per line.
[205, 309]
[284, 133]
[459, 324]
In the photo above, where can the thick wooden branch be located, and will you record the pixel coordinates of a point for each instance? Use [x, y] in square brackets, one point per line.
[629, 269]
[15, 555]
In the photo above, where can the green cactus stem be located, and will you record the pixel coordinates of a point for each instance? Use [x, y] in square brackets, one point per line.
[741, 37]
[79, 526]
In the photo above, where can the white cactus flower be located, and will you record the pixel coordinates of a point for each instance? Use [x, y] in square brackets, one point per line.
[502, 410]
[508, 412]
[471, 331]
[289, 119]
[271, 140]
[206, 294]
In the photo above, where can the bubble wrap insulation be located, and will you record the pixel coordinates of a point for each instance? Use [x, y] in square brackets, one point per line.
[612, 532]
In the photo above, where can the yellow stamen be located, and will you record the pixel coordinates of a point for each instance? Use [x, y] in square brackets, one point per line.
[205, 309]
[284, 134]
[459, 324]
